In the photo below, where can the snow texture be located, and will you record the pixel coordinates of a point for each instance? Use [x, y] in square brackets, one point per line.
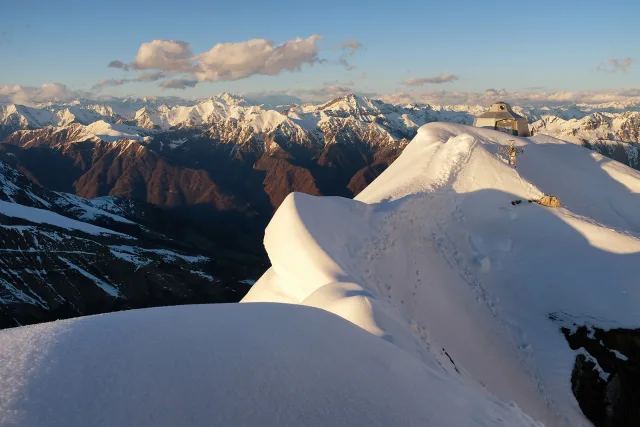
[113, 132]
[41, 216]
[173, 366]
[168, 256]
[109, 289]
[433, 258]
[89, 209]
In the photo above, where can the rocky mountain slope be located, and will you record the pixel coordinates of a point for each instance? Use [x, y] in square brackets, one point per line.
[224, 159]
[64, 256]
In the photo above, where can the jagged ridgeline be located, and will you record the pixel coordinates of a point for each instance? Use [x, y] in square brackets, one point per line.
[64, 256]
[228, 160]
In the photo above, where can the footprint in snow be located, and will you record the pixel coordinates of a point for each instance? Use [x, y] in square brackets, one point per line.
[485, 265]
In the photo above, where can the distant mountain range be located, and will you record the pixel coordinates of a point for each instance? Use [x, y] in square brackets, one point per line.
[228, 162]
[171, 198]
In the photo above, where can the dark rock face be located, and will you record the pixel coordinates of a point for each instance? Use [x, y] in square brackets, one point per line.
[63, 256]
[207, 178]
[612, 400]
[204, 188]
[627, 153]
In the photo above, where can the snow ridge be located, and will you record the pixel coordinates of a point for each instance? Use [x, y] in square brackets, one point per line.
[434, 258]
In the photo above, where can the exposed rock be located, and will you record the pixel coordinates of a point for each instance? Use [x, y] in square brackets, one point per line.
[589, 389]
[612, 400]
[64, 256]
[549, 201]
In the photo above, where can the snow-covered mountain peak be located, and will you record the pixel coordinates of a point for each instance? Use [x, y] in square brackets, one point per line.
[611, 128]
[230, 99]
[25, 117]
[349, 104]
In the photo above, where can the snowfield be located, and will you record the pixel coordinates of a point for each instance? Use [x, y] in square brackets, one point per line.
[112, 132]
[431, 299]
[433, 258]
[270, 365]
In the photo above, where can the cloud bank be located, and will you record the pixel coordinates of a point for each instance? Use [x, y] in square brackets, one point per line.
[32, 95]
[56, 92]
[444, 97]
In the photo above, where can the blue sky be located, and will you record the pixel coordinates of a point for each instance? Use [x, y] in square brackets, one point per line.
[550, 45]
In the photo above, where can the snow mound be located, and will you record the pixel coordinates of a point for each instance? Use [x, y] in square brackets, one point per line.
[434, 258]
[170, 367]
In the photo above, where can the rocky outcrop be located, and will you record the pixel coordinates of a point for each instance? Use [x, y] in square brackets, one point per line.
[64, 256]
[549, 201]
[606, 374]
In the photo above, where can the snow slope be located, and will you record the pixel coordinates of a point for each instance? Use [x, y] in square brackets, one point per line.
[169, 367]
[111, 132]
[41, 216]
[433, 258]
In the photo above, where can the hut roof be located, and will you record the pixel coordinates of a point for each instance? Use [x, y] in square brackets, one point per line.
[500, 111]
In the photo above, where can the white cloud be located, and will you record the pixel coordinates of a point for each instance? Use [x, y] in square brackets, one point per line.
[109, 82]
[9, 89]
[442, 78]
[32, 95]
[151, 76]
[630, 92]
[234, 61]
[613, 65]
[118, 64]
[349, 48]
[345, 63]
[165, 55]
[272, 99]
[493, 92]
[351, 45]
[326, 91]
[225, 61]
[178, 83]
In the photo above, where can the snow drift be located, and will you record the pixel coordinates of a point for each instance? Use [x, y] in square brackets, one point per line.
[433, 258]
[226, 365]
